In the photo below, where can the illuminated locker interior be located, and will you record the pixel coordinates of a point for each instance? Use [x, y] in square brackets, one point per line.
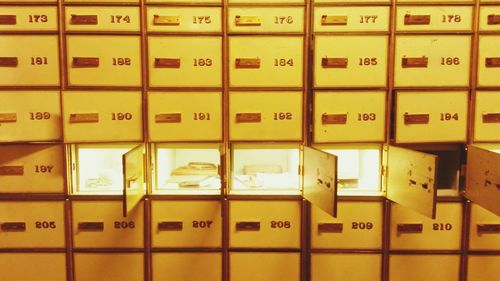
[270, 140]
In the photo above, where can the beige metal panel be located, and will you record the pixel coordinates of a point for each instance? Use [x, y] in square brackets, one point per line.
[186, 224]
[434, 18]
[99, 1]
[30, 116]
[431, 116]
[366, 18]
[439, 1]
[29, 60]
[34, 224]
[100, 224]
[424, 267]
[184, 19]
[411, 179]
[488, 61]
[325, 267]
[185, 61]
[432, 60]
[269, 19]
[358, 226]
[31, 168]
[487, 117]
[483, 268]
[33, 266]
[265, 115]
[89, 64]
[349, 116]
[483, 178]
[266, 1]
[185, 116]
[489, 18]
[264, 224]
[264, 266]
[109, 266]
[260, 61]
[484, 232]
[349, 1]
[97, 116]
[187, 266]
[344, 61]
[413, 231]
[32, 18]
[185, 1]
[115, 19]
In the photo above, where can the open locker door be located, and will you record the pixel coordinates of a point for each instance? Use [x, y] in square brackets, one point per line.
[483, 178]
[411, 179]
[319, 179]
[134, 186]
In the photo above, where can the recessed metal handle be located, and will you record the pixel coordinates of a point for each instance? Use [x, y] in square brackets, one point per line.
[248, 226]
[167, 62]
[334, 62]
[11, 170]
[333, 119]
[417, 19]
[85, 62]
[8, 61]
[168, 118]
[491, 118]
[411, 119]
[493, 19]
[170, 226]
[415, 62]
[166, 20]
[247, 63]
[84, 118]
[248, 118]
[13, 226]
[8, 20]
[488, 228]
[247, 21]
[410, 228]
[330, 227]
[91, 226]
[333, 20]
[83, 20]
[492, 62]
[8, 117]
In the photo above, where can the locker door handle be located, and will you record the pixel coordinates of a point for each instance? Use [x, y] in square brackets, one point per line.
[11, 170]
[91, 226]
[85, 62]
[248, 118]
[488, 228]
[8, 61]
[417, 19]
[333, 20]
[168, 118]
[493, 19]
[83, 20]
[330, 227]
[492, 62]
[410, 228]
[84, 118]
[248, 226]
[8, 20]
[8, 117]
[414, 62]
[13, 227]
[247, 20]
[491, 118]
[332, 119]
[170, 226]
[167, 62]
[411, 119]
[247, 63]
[334, 62]
[166, 20]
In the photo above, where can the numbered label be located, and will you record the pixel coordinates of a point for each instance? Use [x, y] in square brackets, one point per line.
[281, 224]
[449, 117]
[120, 116]
[201, 116]
[203, 62]
[202, 224]
[362, 225]
[43, 169]
[202, 20]
[45, 225]
[368, 61]
[39, 60]
[442, 226]
[451, 18]
[283, 20]
[283, 116]
[450, 61]
[122, 61]
[368, 19]
[283, 62]
[124, 224]
[367, 116]
[38, 18]
[39, 115]
[120, 19]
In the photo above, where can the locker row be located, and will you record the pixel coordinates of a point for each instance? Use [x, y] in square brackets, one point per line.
[175, 266]
[338, 116]
[248, 19]
[251, 225]
[340, 61]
